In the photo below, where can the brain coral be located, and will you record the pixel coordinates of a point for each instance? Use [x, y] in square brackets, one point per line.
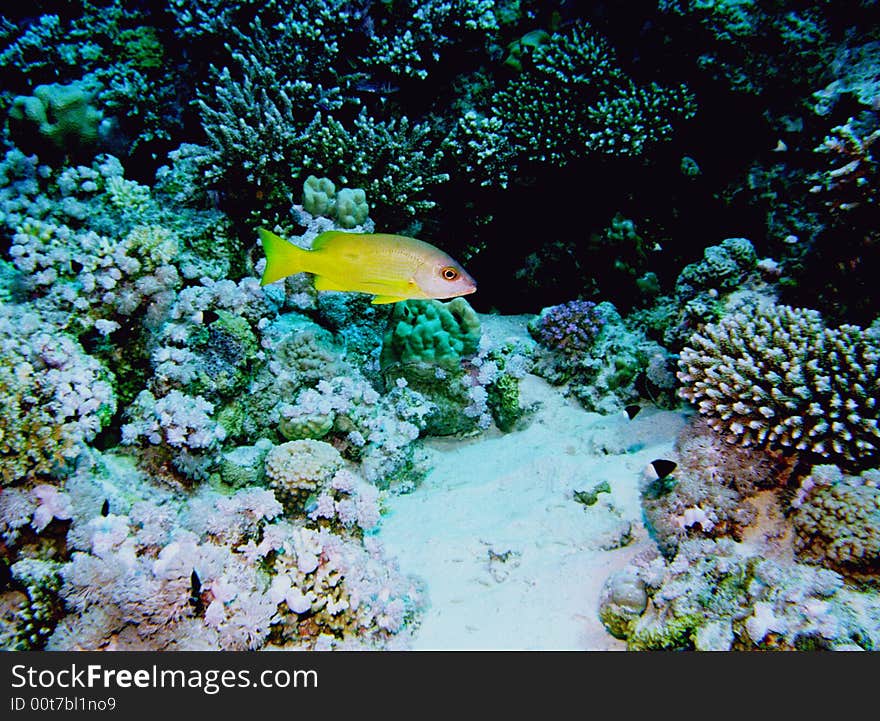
[777, 376]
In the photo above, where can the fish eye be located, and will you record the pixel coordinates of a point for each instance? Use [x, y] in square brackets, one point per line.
[449, 273]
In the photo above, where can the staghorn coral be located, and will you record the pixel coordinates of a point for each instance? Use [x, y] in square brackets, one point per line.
[777, 376]
[573, 100]
[837, 520]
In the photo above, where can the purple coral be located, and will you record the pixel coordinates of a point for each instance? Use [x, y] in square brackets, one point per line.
[570, 328]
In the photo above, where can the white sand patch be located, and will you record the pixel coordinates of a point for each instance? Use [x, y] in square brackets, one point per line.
[510, 559]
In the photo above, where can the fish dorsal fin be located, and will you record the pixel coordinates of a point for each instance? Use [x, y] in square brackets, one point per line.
[381, 299]
[328, 237]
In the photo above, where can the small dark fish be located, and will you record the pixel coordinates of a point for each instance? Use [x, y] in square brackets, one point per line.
[632, 410]
[209, 316]
[195, 591]
[660, 468]
[76, 266]
[105, 508]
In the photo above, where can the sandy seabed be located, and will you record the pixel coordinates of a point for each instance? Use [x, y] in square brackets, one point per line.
[509, 557]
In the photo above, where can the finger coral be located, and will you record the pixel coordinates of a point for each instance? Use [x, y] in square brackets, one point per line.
[777, 376]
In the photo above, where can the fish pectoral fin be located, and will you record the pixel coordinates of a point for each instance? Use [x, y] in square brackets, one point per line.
[380, 299]
[322, 282]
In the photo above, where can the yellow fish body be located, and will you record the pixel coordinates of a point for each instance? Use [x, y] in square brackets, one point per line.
[391, 267]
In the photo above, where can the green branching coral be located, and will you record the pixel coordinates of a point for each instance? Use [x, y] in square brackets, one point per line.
[777, 376]
[573, 100]
[757, 44]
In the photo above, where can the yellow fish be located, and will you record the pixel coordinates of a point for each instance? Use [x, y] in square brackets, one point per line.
[391, 267]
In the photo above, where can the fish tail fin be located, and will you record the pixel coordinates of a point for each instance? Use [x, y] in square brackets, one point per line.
[282, 258]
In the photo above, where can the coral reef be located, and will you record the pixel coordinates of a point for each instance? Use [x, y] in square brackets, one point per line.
[430, 347]
[709, 495]
[605, 361]
[190, 460]
[55, 397]
[713, 596]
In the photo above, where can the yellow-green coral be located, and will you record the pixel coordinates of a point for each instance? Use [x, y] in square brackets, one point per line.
[430, 331]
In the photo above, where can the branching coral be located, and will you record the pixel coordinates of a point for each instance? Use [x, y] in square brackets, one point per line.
[756, 45]
[573, 100]
[852, 181]
[778, 376]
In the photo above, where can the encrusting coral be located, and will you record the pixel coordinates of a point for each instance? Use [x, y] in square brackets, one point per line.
[837, 520]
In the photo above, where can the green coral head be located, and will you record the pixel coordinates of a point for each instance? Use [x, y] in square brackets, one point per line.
[58, 116]
[431, 332]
